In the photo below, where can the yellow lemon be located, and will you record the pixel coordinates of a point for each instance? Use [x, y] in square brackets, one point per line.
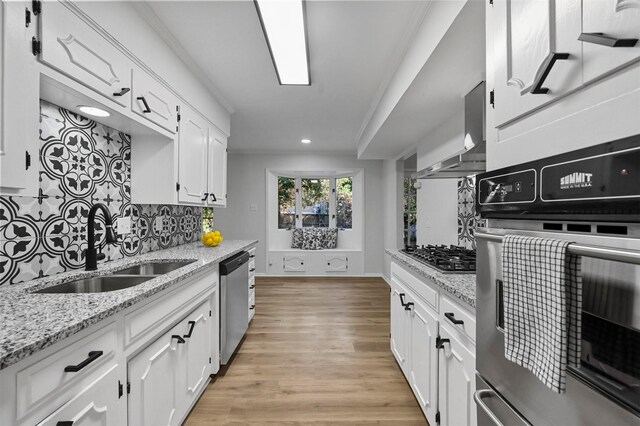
[217, 239]
[216, 233]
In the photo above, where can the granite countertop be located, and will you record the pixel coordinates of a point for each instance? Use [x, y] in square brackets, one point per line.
[462, 286]
[32, 322]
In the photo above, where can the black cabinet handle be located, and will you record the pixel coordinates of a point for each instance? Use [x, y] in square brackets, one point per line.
[213, 196]
[408, 306]
[180, 339]
[206, 195]
[146, 109]
[192, 324]
[537, 86]
[252, 286]
[605, 40]
[252, 256]
[252, 307]
[402, 302]
[451, 317]
[93, 355]
[122, 92]
[440, 342]
[252, 270]
[65, 423]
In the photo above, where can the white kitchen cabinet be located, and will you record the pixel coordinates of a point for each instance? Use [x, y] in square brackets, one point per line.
[192, 168]
[198, 352]
[422, 354]
[294, 263]
[457, 367]
[72, 47]
[19, 102]
[217, 169]
[336, 263]
[153, 101]
[612, 19]
[100, 404]
[399, 326]
[528, 35]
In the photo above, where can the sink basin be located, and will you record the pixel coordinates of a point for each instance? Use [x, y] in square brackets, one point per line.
[157, 268]
[98, 284]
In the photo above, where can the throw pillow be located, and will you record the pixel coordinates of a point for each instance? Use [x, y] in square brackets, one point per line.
[313, 239]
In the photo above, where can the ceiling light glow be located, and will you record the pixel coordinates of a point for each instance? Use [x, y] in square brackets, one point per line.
[284, 26]
[96, 112]
[306, 141]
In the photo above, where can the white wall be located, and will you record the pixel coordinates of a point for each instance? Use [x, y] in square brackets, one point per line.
[247, 185]
[393, 175]
[438, 198]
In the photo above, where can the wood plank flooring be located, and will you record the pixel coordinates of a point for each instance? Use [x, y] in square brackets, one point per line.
[317, 352]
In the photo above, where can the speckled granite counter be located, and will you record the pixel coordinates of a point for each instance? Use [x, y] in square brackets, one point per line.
[462, 286]
[32, 322]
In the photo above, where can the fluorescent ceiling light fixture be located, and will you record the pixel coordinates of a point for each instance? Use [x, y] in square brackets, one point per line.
[306, 141]
[284, 26]
[96, 112]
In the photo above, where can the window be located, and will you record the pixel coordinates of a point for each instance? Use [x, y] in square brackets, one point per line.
[344, 202]
[286, 202]
[207, 219]
[315, 202]
[410, 211]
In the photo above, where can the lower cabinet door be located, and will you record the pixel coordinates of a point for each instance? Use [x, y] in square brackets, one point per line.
[198, 352]
[422, 355]
[398, 328]
[457, 382]
[153, 375]
[99, 404]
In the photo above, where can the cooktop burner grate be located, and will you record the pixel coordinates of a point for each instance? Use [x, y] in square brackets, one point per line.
[446, 259]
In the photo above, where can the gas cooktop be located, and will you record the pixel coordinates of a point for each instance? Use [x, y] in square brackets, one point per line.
[446, 259]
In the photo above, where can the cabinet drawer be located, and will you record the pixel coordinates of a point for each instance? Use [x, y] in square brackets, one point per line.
[158, 314]
[252, 283]
[65, 368]
[72, 47]
[153, 101]
[252, 305]
[252, 268]
[419, 286]
[451, 312]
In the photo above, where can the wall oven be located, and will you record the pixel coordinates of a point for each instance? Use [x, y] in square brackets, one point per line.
[590, 197]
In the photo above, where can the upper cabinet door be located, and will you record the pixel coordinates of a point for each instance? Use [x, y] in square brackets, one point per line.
[192, 164]
[75, 49]
[217, 169]
[609, 20]
[537, 54]
[153, 101]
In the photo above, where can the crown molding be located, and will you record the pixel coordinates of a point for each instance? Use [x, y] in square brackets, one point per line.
[147, 13]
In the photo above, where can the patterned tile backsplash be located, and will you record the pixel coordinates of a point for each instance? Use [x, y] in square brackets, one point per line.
[82, 162]
[468, 218]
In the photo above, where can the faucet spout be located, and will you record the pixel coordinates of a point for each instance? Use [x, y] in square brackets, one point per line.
[91, 257]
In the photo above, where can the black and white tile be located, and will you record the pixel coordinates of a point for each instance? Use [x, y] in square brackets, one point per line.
[82, 162]
[468, 218]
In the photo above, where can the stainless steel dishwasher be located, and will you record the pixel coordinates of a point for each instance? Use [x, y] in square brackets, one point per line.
[234, 303]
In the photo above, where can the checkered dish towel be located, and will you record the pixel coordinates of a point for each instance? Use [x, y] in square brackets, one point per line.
[542, 307]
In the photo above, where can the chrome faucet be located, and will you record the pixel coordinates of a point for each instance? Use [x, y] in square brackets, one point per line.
[92, 255]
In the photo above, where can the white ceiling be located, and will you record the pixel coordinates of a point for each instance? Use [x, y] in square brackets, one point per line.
[354, 47]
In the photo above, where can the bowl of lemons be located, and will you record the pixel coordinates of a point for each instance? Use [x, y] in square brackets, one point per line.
[212, 238]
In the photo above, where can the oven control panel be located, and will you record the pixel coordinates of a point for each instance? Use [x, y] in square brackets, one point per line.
[518, 187]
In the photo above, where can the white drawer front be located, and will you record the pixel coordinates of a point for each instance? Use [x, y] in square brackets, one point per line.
[48, 377]
[419, 286]
[252, 267]
[252, 305]
[452, 312]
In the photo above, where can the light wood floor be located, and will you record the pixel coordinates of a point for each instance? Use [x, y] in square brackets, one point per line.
[317, 352]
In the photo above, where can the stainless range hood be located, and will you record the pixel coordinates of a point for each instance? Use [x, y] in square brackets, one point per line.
[472, 159]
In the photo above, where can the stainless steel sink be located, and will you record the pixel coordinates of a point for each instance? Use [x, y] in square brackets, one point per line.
[98, 284]
[155, 268]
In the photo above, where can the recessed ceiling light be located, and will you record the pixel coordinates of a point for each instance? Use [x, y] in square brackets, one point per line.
[284, 26]
[306, 141]
[96, 112]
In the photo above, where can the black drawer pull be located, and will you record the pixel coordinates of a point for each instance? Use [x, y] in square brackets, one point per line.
[65, 423]
[408, 306]
[402, 302]
[192, 324]
[252, 307]
[252, 287]
[605, 40]
[93, 355]
[451, 317]
[537, 88]
[122, 92]
[252, 256]
[180, 339]
[146, 109]
[440, 342]
[252, 270]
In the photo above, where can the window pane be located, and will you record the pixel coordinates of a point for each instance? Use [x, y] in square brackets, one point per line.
[207, 219]
[344, 202]
[286, 202]
[315, 203]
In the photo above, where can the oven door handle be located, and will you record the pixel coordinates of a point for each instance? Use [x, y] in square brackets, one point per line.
[596, 252]
[479, 397]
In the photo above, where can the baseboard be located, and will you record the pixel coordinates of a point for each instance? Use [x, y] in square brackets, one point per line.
[323, 276]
